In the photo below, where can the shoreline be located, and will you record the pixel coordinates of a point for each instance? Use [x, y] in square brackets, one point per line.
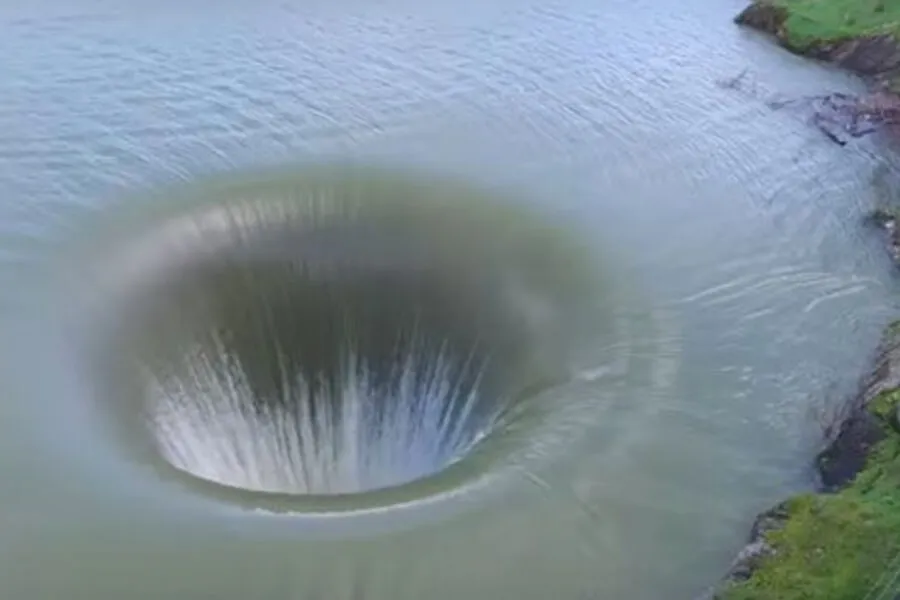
[838, 541]
[871, 52]
[860, 36]
[870, 420]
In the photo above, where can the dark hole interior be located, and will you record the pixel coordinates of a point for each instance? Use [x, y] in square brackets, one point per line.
[322, 361]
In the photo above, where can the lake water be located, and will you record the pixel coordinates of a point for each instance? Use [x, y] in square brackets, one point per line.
[739, 287]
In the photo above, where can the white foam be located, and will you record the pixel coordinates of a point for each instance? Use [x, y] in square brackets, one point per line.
[315, 439]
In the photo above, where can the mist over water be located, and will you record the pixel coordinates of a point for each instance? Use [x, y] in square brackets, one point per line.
[560, 337]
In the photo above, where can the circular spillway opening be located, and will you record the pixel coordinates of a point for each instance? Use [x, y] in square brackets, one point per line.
[319, 338]
[277, 374]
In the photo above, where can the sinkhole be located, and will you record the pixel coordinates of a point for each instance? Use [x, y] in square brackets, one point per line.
[321, 336]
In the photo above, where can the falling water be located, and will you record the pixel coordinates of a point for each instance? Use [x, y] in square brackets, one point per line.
[328, 335]
[317, 437]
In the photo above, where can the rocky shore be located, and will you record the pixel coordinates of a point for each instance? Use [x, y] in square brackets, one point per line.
[873, 51]
[841, 542]
[862, 36]
[863, 455]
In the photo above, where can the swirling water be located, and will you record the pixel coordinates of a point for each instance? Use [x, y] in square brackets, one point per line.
[743, 287]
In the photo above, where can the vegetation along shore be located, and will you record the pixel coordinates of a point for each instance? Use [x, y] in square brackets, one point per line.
[862, 36]
[841, 542]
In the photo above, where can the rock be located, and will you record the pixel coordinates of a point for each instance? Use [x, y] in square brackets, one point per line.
[887, 221]
[883, 218]
[895, 422]
[771, 520]
[758, 547]
[748, 560]
[884, 375]
[764, 17]
[846, 456]
[868, 56]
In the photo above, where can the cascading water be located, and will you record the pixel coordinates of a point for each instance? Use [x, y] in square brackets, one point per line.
[375, 435]
[332, 335]
[304, 383]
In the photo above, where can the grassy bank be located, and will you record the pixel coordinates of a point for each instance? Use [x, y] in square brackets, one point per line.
[817, 21]
[841, 546]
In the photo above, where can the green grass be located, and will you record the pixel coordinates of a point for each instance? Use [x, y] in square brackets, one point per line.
[840, 546]
[811, 21]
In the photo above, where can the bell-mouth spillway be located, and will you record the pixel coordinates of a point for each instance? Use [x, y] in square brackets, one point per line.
[328, 336]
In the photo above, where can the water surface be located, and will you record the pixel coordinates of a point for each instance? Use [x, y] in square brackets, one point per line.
[743, 290]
